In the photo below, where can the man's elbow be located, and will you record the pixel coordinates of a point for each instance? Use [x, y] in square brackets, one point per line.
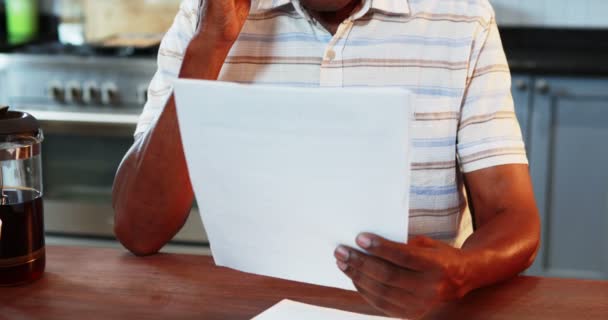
[535, 240]
[124, 226]
[125, 231]
[139, 246]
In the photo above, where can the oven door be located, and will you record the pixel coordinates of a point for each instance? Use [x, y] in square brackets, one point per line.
[81, 153]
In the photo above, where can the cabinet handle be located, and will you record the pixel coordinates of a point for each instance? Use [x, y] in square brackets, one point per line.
[521, 85]
[542, 86]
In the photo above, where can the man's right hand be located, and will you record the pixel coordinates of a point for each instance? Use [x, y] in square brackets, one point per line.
[222, 20]
[152, 194]
[219, 25]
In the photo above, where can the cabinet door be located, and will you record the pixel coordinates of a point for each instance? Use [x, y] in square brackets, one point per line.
[569, 166]
[521, 91]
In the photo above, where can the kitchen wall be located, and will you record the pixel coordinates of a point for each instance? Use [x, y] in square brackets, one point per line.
[106, 18]
[128, 16]
[47, 6]
[543, 13]
[547, 13]
[552, 13]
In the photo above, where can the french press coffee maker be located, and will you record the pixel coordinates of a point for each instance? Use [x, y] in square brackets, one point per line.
[22, 250]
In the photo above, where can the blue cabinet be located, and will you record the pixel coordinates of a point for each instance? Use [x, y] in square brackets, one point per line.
[565, 123]
[522, 95]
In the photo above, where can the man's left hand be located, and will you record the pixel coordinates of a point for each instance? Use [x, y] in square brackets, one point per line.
[405, 280]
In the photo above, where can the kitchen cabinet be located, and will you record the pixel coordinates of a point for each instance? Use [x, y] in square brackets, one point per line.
[565, 122]
[551, 13]
[522, 95]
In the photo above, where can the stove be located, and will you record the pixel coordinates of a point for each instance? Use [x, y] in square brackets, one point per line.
[88, 101]
[82, 83]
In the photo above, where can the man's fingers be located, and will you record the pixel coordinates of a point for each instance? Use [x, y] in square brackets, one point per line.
[393, 305]
[394, 295]
[383, 271]
[410, 256]
[381, 304]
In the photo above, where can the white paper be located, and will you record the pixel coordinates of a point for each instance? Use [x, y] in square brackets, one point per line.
[291, 310]
[284, 175]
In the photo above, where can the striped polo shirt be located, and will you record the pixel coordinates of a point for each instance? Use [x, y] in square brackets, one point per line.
[447, 52]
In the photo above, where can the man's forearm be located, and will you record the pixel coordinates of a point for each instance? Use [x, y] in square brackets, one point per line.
[152, 194]
[503, 247]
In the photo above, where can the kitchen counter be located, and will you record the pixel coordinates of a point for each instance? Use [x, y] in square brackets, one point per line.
[91, 283]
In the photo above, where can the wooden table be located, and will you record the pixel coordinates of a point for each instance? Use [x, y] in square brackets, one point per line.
[85, 283]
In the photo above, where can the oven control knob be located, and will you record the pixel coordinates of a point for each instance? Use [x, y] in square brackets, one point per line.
[74, 92]
[109, 94]
[57, 92]
[92, 93]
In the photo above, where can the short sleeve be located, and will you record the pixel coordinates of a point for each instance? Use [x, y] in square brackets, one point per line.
[488, 132]
[170, 57]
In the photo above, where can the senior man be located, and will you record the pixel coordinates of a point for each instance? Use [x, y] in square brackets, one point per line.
[467, 144]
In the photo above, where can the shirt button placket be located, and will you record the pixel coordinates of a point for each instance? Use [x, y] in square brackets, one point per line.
[331, 67]
[330, 55]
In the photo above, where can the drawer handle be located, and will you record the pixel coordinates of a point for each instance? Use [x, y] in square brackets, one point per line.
[542, 86]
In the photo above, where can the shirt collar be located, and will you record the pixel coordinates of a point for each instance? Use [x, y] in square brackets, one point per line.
[397, 7]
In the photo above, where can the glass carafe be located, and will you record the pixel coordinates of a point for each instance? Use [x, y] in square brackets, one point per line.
[22, 249]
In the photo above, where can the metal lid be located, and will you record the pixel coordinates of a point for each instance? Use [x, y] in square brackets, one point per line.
[17, 123]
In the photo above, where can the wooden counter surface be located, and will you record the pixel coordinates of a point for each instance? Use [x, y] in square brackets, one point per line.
[89, 283]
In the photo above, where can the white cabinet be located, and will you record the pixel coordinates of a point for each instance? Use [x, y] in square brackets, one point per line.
[564, 121]
[568, 158]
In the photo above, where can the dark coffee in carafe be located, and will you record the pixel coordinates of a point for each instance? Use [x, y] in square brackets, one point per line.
[22, 251]
[22, 255]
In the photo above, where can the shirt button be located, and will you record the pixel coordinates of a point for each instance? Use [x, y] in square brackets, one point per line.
[330, 54]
